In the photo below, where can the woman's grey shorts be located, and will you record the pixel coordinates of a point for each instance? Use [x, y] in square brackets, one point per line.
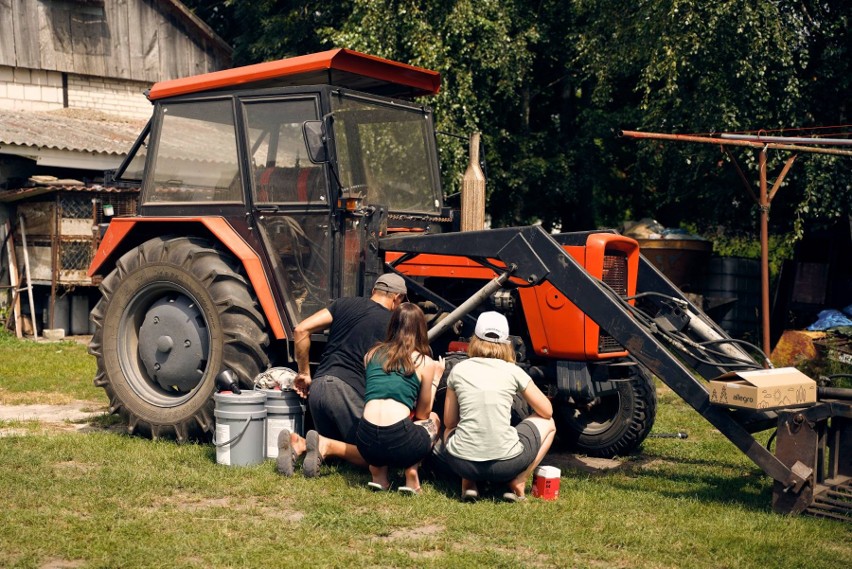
[498, 470]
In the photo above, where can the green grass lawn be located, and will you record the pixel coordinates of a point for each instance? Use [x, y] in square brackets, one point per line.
[45, 372]
[103, 499]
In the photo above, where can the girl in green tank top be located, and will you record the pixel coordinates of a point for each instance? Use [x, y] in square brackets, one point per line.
[398, 427]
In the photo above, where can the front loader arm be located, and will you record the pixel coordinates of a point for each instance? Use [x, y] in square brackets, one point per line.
[535, 256]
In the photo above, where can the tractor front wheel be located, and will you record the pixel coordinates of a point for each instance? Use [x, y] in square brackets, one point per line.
[174, 313]
[614, 426]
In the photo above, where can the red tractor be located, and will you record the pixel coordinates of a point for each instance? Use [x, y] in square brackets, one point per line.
[269, 190]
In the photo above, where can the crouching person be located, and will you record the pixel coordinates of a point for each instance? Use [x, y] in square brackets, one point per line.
[401, 378]
[480, 444]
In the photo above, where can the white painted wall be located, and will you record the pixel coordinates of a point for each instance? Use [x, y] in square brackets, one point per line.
[39, 90]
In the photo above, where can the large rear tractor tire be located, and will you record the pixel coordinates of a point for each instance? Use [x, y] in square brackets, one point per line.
[173, 314]
[617, 425]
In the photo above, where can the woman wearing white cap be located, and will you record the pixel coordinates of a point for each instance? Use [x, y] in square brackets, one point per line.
[480, 443]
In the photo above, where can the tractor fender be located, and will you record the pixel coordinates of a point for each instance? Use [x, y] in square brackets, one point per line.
[119, 230]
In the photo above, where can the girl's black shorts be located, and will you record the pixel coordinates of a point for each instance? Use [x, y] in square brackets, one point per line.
[400, 445]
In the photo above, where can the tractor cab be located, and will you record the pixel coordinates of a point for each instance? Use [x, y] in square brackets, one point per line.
[309, 158]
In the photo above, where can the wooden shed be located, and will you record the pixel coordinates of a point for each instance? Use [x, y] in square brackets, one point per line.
[142, 40]
[73, 76]
[60, 223]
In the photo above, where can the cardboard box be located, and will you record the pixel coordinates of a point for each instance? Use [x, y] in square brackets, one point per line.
[763, 389]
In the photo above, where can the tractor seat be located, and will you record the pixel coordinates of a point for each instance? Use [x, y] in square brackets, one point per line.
[276, 184]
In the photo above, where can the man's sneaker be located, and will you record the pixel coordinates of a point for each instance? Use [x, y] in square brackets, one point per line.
[286, 461]
[313, 458]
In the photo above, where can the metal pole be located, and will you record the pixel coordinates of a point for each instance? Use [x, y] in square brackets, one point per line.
[29, 277]
[789, 139]
[14, 280]
[729, 142]
[764, 250]
[54, 264]
[493, 286]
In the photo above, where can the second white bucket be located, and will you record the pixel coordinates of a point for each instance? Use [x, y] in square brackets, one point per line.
[284, 410]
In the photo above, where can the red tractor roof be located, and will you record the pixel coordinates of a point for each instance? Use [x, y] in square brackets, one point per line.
[339, 67]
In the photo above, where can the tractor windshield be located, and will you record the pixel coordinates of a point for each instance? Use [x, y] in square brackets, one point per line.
[386, 154]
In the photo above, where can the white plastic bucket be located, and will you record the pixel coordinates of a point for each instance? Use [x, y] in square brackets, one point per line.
[284, 410]
[240, 427]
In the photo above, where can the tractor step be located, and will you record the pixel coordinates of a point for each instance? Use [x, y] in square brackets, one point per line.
[833, 502]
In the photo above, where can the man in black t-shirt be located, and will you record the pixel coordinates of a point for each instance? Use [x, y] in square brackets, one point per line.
[336, 393]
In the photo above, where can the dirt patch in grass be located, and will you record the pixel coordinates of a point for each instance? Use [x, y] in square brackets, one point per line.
[185, 501]
[60, 564]
[48, 413]
[40, 418]
[416, 532]
[527, 556]
[651, 464]
[197, 504]
[588, 464]
[74, 466]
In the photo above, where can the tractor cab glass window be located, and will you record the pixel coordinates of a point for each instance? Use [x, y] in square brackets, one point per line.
[133, 167]
[196, 155]
[282, 171]
[386, 154]
[291, 191]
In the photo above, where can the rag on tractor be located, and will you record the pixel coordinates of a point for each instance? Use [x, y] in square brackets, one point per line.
[269, 190]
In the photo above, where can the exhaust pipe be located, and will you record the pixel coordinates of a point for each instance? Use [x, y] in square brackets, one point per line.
[473, 190]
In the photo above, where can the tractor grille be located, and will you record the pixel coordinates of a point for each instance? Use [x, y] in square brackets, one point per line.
[615, 275]
[615, 272]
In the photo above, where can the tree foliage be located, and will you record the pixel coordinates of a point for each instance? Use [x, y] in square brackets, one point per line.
[728, 66]
[550, 83]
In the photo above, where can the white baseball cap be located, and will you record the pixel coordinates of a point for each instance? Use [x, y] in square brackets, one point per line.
[492, 327]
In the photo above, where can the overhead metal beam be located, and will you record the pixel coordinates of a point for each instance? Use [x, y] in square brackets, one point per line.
[731, 142]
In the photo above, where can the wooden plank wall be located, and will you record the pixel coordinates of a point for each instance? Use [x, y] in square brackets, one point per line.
[7, 30]
[141, 40]
[25, 33]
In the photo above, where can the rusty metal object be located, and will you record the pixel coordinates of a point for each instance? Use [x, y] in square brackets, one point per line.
[789, 139]
[835, 347]
[834, 503]
[816, 444]
[729, 142]
[796, 347]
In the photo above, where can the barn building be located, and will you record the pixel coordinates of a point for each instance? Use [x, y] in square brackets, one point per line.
[73, 76]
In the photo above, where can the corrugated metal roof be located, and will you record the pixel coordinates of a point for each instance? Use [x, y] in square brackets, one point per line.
[27, 193]
[80, 130]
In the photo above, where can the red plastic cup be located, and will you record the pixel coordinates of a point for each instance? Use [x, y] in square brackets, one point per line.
[546, 482]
